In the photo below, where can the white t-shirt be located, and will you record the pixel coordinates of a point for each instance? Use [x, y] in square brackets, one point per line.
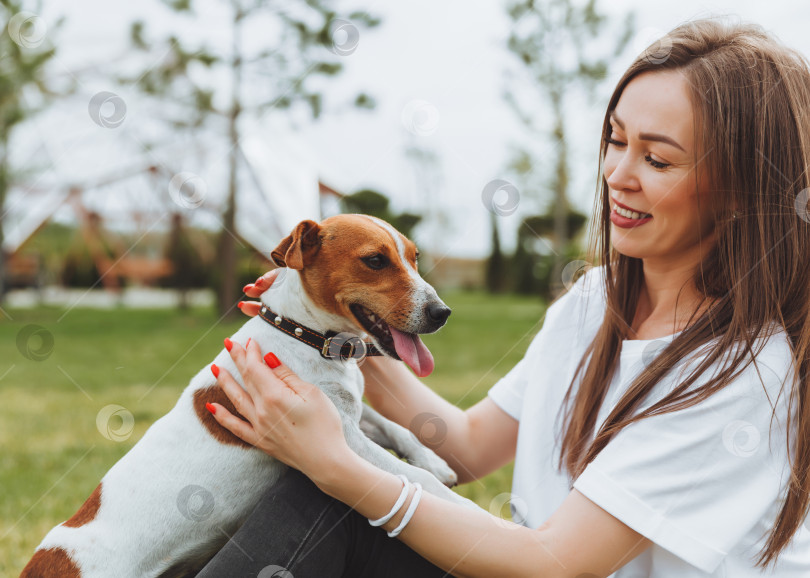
[702, 483]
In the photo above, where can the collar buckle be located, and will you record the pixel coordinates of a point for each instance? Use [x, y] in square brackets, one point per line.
[335, 344]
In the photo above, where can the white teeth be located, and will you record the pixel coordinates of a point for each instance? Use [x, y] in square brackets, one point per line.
[630, 214]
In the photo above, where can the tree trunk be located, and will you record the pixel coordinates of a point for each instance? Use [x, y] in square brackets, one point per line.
[496, 264]
[227, 244]
[561, 209]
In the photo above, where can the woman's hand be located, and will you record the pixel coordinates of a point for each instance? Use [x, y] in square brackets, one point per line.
[255, 290]
[287, 418]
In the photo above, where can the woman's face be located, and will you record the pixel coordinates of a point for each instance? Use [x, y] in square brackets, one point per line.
[650, 168]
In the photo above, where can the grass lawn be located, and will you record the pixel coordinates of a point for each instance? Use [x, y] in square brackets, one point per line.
[57, 372]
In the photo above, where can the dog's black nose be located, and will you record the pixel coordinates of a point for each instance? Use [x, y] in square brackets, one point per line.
[438, 312]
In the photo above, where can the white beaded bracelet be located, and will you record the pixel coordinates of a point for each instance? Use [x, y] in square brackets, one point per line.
[409, 512]
[397, 505]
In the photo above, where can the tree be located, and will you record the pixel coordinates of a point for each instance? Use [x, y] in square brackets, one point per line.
[370, 202]
[533, 261]
[188, 268]
[551, 39]
[308, 40]
[24, 55]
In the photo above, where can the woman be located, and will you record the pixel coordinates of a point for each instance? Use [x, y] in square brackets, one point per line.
[658, 421]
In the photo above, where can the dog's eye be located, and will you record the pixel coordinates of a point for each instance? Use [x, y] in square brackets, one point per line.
[376, 261]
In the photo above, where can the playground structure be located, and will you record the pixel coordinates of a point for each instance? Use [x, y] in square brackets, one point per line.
[276, 189]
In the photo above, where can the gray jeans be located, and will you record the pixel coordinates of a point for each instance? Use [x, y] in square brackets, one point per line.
[297, 531]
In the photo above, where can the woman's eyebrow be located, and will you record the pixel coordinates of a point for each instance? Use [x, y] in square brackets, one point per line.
[648, 135]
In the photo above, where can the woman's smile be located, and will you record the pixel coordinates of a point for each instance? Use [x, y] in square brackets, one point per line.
[626, 217]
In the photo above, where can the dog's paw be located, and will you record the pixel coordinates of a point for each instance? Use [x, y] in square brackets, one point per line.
[429, 461]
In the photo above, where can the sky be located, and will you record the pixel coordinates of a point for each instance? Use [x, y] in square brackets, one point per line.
[438, 72]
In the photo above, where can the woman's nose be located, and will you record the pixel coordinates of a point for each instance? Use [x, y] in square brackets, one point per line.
[621, 175]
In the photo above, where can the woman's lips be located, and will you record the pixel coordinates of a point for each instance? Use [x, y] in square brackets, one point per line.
[625, 222]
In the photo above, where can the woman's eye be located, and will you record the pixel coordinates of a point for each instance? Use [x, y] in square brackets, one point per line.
[375, 261]
[655, 163]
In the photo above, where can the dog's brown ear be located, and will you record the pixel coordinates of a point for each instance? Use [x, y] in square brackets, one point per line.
[297, 249]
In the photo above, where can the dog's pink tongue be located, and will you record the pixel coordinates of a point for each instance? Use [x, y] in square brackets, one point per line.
[413, 352]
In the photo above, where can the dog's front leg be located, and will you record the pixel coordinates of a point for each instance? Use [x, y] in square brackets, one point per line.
[383, 459]
[393, 436]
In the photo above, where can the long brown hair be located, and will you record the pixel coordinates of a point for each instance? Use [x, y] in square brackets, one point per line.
[751, 98]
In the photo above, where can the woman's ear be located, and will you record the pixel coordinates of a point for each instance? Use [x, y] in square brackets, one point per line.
[297, 249]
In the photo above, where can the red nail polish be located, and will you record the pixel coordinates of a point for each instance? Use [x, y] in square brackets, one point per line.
[271, 360]
[248, 343]
[210, 408]
[228, 344]
[259, 280]
[214, 370]
[240, 304]
[246, 287]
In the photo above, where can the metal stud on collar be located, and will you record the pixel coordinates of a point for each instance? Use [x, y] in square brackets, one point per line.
[277, 320]
[299, 332]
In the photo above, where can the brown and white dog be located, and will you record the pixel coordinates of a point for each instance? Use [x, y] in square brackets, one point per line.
[350, 273]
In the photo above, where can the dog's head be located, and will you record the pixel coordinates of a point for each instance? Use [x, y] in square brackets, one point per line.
[364, 270]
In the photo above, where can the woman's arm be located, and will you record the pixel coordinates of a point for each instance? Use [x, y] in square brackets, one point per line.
[295, 422]
[474, 442]
[580, 540]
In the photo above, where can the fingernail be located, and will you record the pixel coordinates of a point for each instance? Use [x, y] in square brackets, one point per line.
[248, 343]
[228, 344]
[215, 370]
[271, 360]
[210, 408]
[246, 287]
[259, 280]
[241, 302]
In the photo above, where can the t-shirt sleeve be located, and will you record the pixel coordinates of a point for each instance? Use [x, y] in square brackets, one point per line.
[697, 480]
[508, 392]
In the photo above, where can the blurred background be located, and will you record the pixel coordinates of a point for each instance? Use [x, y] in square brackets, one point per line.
[152, 154]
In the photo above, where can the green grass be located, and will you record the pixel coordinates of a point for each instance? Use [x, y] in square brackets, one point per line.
[53, 455]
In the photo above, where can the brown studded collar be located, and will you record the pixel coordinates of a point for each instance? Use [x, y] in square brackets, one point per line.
[331, 345]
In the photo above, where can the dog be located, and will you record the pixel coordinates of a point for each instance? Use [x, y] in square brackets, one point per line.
[168, 505]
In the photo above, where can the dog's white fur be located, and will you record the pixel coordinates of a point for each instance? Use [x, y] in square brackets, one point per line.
[143, 527]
